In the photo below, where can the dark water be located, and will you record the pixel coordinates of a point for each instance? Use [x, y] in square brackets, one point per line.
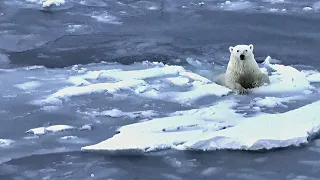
[128, 32]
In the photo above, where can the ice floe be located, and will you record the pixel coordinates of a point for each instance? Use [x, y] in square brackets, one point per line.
[216, 127]
[68, 137]
[86, 127]
[50, 129]
[186, 97]
[73, 140]
[271, 102]
[220, 126]
[5, 142]
[57, 128]
[307, 9]
[314, 78]
[48, 3]
[210, 127]
[169, 131]
[95, 88]
[284, 79]
[140, 82]
[115, 113]
[179, 81]
[237, 5]
[28, 85]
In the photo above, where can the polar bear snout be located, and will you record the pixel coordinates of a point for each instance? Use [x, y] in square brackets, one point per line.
[242, 57]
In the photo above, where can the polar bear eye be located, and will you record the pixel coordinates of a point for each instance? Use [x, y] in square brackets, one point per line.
[246, 50]
[237, 50]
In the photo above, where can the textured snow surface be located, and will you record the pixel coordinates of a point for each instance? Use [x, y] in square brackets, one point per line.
[216, 127]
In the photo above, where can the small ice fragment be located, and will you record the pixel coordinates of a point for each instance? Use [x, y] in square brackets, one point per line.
[49, 3]
[86, 127]
[50, 108]
[274, 10]
[68, 137]
[307, 9]
[5, 142]
[78, 81]
[195, 77]
[179, 81]
[58, 128]
[314, 77]
[28, 85]
[272, 102]
[112, 113]
[53, 129]
[37, 131]
[153, 8]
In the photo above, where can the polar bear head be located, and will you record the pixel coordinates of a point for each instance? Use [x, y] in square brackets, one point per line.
[241, 52]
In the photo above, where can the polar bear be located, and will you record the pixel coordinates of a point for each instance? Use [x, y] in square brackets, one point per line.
[243, 72]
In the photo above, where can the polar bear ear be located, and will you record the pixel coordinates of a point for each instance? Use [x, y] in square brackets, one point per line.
[230, 49]
[251, 46]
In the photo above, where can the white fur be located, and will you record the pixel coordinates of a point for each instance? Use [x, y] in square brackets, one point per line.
[242, 74]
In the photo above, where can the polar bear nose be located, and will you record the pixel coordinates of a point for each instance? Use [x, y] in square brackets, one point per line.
[242, 57]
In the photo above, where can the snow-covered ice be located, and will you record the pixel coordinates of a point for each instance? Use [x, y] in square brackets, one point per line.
[5, 142]
[142, 83]
[307, 9]
[68, 137]
[139, 82]
[48, 3]
[179, 81]
[169, 131]
[138, 74]
[28, 85]
[237, 5]
[220, 126]
[115, 113]
[50, 108]
[271, 102]
[216, 127]
[50, 129]
[92, 88]
[78, 81]
[73, 140]
[86, 127]
[314, 78]
[284, 79]
[187, 97]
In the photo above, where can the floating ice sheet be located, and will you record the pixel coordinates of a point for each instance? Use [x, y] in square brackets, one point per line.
[216, 127]
[50, 129]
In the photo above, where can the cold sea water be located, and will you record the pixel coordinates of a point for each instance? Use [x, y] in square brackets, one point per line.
[41, 48]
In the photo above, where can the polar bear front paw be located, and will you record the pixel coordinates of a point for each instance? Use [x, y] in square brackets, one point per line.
[256, 84]
[241, 91]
